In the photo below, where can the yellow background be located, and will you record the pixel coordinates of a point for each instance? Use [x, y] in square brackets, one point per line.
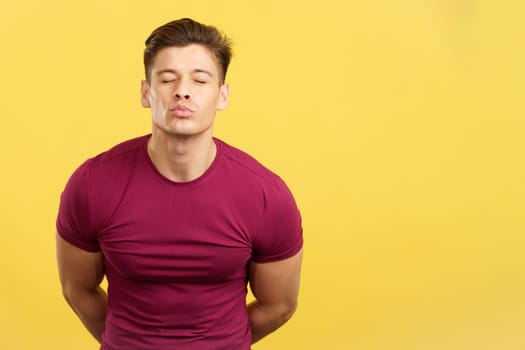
[397, 124]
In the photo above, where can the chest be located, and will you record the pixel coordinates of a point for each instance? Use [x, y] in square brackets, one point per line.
[174, 235]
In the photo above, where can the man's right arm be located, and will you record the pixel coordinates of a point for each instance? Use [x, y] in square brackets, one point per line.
[81, 273]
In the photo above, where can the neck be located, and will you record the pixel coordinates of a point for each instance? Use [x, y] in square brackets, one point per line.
[181, 158]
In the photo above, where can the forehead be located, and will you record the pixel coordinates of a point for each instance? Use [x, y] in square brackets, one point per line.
[185, 59]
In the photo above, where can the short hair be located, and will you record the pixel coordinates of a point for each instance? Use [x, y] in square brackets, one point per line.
[186, 31]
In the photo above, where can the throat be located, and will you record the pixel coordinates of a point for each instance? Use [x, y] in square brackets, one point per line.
[181, 161]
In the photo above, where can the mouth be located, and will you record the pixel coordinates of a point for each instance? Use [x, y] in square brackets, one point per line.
[181, 111]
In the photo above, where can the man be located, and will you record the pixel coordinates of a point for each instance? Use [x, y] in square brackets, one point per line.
[179, 221]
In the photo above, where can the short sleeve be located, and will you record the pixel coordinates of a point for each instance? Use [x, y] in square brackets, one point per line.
[74, 223]
[280, 233]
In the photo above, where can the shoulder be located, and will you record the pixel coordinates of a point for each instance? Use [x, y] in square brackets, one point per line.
[249, 176]
[94, 187]
[118, 154]
[246, 166]
[278, 235]
[108, 169]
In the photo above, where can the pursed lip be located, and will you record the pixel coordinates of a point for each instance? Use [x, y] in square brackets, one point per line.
[181, 110]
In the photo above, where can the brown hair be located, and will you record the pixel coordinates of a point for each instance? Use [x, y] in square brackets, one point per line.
[183, 32]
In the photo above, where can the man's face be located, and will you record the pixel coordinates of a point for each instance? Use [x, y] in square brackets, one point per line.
[184, 91]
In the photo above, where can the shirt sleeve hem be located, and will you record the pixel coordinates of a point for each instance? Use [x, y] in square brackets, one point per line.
[92, 248]
[282, 256]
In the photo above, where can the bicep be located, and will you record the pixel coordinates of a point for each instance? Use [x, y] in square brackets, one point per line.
[276, 282]
[78, 269]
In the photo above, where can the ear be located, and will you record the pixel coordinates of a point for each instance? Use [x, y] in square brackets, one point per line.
[144, 94]
[224, 94]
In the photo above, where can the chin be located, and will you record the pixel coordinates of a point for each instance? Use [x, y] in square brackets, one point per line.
[175, 128]
[184, 132]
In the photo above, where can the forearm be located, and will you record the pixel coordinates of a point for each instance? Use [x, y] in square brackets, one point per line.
[264, 319]
[91, 307]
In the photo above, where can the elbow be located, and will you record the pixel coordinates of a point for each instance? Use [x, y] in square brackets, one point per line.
[266, 318]
[291, 311]
[286, 312]
[68, 294]
[73, 295]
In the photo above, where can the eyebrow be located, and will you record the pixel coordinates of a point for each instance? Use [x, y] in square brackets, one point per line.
[173, 71]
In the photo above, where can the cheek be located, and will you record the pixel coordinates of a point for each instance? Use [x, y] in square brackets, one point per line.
[159, 104]
[212, 101]
[158, 111]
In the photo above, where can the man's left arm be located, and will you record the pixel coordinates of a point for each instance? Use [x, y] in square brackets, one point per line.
[275, 286]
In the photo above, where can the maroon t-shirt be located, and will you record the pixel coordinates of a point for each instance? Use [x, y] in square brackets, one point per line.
[176, 254]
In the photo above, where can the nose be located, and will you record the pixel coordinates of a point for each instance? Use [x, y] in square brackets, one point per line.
[182, 96]
[182, 91]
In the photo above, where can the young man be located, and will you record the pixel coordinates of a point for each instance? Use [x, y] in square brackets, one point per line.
[179, 221]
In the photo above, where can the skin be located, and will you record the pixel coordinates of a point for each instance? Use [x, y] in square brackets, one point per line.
[80, 275]
[275, 286]
[182, 149]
